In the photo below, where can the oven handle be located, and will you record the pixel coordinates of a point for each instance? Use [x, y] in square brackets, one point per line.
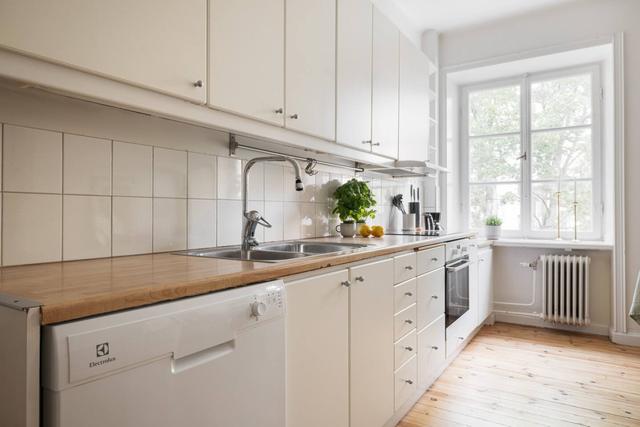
[458, 266]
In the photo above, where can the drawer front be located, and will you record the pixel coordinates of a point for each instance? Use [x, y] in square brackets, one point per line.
[430, 259]
[458, 332]
[431, 351]
[404, 322]
[404, 267]
[405, 349]
[406, 379]
[404, 295]
[430, 297]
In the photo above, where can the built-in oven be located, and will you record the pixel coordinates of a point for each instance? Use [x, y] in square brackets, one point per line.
[456, 282]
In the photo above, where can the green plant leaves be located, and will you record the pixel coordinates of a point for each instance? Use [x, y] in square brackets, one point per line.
[354, 201]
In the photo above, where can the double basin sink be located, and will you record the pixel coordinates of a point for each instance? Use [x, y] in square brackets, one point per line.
[276, 252]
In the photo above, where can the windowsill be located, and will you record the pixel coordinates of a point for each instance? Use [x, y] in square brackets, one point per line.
[555, 244]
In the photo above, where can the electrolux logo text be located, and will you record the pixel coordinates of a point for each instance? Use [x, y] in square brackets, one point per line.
[102, 350]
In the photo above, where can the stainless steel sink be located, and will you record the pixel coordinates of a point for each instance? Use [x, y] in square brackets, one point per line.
[275, 252]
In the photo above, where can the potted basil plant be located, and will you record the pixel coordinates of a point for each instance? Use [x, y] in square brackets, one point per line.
[354, 203]
[493, 227]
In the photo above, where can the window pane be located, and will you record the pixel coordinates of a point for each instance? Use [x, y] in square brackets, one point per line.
[494, 199]
[494, 159]
[545, 207]
[561, 102]
[561, 154]
[494, 111]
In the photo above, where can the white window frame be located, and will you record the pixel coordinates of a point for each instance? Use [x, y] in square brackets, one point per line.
[524, 82]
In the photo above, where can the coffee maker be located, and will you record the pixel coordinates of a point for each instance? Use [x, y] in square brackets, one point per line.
[432, 223]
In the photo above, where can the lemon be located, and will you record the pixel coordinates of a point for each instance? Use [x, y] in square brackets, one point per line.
[364, 230]
[377, 231]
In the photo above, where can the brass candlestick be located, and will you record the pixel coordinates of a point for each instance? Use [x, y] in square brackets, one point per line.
[558, 222]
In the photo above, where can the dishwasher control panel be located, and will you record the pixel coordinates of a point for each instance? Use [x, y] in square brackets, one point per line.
[267, 304]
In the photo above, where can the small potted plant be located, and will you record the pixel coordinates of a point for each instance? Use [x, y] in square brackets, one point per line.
[354, 201]
[493, 227]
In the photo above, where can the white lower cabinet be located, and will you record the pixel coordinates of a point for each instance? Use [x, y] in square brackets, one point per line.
[318, 351]
[372, 353]
[430, 297]
[485, 285]
[431, 351]
[406, 382]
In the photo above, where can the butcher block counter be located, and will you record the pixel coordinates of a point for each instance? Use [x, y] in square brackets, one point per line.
[76, 289]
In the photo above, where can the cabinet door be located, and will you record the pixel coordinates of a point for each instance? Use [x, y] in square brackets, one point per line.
[485, 285]
[386, 78]
[353, 91]
[246, 70]
[372, 350]
[162, 47]
[310, 103]
[414, 102]
[318, 351]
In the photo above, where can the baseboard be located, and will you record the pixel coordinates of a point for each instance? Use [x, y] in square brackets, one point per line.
[532, 319]
[630, 338]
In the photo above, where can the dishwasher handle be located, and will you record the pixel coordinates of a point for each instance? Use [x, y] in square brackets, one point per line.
[201, 357]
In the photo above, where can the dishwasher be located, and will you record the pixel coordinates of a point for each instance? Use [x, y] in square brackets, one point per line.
[211, 360]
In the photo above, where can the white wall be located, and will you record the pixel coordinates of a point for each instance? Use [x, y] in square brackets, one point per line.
[572, 23]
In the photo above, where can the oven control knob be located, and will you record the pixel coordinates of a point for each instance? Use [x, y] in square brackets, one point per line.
[258, 309]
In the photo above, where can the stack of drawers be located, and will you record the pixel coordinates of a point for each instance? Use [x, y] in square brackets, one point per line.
[418, 320]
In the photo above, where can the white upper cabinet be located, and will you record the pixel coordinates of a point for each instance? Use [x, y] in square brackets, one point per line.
[246, 57]
[310, 103]
[386, 40]
[353, 92]
[414, 102]
[156, 45]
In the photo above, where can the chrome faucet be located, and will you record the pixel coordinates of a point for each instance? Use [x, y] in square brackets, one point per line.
[251, 219]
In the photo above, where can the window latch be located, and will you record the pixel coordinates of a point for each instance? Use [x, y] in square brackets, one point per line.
[522, 157]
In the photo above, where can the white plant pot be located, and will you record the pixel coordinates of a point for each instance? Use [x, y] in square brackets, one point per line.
[493, 232]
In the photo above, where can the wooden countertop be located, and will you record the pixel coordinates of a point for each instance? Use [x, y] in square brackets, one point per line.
[76, 289]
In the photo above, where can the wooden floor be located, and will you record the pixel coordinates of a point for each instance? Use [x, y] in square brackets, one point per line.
[523, 376]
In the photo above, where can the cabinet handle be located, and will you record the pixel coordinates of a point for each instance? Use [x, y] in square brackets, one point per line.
[346, 283]
[279, 111]
[408, 348]
[481, 259]
[434, 296]
[434, 259]
[461, 338]
[294, 116]
[367, 142]
[198, 83]
[435, 347]
[408, 382]
[359, 279]
[408, 267]
[375, 144]
[409, 294]
[408, 321]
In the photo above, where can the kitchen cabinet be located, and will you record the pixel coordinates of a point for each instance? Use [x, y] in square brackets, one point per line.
[372, 349]
[310, 101]
[246, 70]
[431, 351]
[385, 85]
[353, 90]
[431, 297]
[159, 47]
[413, 102]
[318, 348]
[485, 284]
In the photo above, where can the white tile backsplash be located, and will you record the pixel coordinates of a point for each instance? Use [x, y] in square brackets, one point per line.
[274, 213]
[273, 182]
[86, 227]
[202, 223]
[32, 228]
[202, 179]
[307, 220]
[229, 178]
[291, 223]
[169, 173]
[87, 165]
[32, 160]
[255, 188]
[132, 225]
[229, 222]
[132, 169]
[169, 224]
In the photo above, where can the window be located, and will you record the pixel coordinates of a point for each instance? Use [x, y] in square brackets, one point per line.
[527, 141]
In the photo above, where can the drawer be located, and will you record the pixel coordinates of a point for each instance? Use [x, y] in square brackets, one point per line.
[430, 288]
[404, 295]
[431, 351]
[404, 322]
[405, 383]
[406, 348]
[430, 259]
[404, 267]
[458, 332]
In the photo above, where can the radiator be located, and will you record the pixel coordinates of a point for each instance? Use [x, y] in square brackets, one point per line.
[565, 289]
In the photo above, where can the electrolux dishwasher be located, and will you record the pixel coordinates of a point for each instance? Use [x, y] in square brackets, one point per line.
[212, 360]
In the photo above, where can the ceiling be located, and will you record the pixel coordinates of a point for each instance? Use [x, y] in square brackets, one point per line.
[446, 15]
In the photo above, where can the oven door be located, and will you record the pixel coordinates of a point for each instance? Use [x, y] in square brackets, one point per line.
[456, 290]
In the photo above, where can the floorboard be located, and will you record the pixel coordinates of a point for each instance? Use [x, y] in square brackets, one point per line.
[511, 375]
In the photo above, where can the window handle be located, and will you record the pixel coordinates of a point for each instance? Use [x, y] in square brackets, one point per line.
[523, 156]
